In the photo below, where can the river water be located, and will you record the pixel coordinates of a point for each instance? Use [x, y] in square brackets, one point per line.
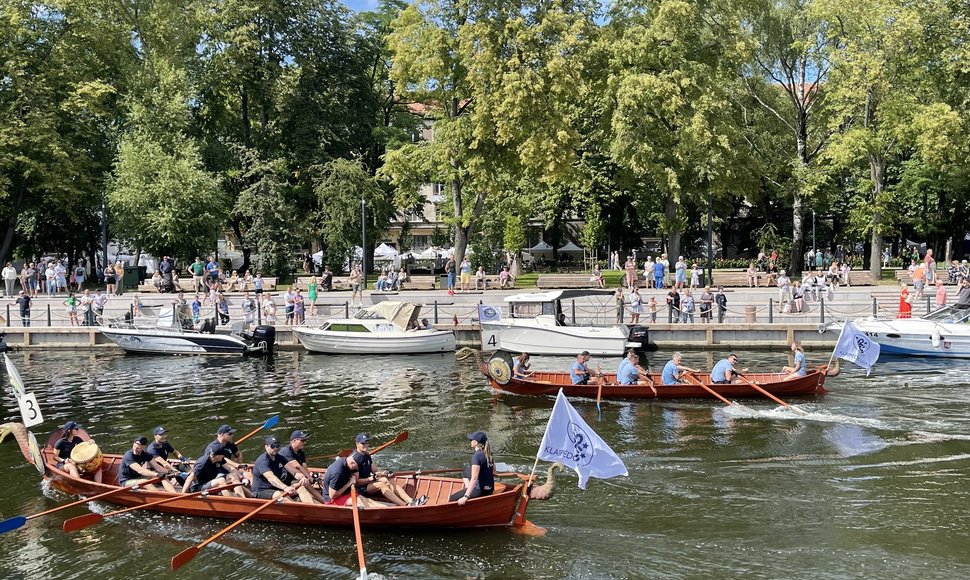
[870, 482]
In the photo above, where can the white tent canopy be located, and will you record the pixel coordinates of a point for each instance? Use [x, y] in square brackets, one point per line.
[540, 249]
[570, 248]
[384, 252]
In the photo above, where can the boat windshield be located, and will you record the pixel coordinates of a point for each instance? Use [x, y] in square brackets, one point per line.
[532, 309]
[950, 314]
[345, 327]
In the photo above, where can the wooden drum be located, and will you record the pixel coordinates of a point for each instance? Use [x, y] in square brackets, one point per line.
[87, 457]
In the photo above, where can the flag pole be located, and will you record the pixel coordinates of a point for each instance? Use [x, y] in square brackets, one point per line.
[831, 358]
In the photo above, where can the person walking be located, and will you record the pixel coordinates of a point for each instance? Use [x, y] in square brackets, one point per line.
[721, 300]
[9, 279]
[24, 302]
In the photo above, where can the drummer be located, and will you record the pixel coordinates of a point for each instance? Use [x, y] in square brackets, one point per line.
[269, 471]
[136, 468]
[231, 468]
[371, 483]
[65, 445]
[160, 449]
[297, 470]
[342, 474]
[207, 472]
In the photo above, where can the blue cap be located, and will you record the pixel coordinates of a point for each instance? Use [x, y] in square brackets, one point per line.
[70, 425]
[478, 436]
[298, 435]
[160, 430]
[362, 438]
[225, 429]
[141, 440]
[272, 441]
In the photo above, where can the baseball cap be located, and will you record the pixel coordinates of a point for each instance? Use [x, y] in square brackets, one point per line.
[220, 451]
[141, 440]
[272, 441]
[362, 438]
[298, 435]
[160, 430]
[225, 429]
[478, 436]
[70, 425]
[585, 353]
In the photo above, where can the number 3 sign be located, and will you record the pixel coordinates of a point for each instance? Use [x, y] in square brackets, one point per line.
[30, 410]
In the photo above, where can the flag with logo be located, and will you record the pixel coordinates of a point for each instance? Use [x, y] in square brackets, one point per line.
[855, 347]
[488, 313]
[570, 441]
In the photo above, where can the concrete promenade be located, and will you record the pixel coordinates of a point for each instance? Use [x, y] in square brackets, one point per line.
[753, 319]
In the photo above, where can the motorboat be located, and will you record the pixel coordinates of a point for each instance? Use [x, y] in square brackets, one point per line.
[385, 328]
[536, 323]
[172, 332]
[943, 333]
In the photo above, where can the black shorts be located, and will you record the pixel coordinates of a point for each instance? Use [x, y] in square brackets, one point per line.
[258, 291]
[203, 486]
[266, 493]
[725, 382]
[583, 381]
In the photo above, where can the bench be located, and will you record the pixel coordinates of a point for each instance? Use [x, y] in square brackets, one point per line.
[908, 276]
[420, 283]
[336, 283]
[564, 281]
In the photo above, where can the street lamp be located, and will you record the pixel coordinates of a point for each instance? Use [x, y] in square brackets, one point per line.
[710, 238]
[813, 231]
[363, 244]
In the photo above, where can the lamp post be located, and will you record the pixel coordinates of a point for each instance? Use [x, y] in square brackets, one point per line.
[813, 231]
[710, 238]
[363, 245]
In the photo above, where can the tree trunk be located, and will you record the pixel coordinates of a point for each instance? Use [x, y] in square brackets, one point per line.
[237, 231]
[20, 187]
[877, 169]
[246, 127]
[798, 235]
[671, 208]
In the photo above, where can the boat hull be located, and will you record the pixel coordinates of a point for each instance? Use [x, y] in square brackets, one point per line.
[406, 342]
[559, 340]
[496, 510]
[172, 343]
[918, 337]
[549, 383]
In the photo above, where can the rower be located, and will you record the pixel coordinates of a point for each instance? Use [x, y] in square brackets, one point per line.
[65, 445]
[160, 449]
[799, 369]
[481, 476]
[294, 460]
[370, 482]
[522, 367]
[673, 369]
[341, 474]
[207, 472]
[269, 471]
[136, 469]
[725, 372]
[579, 372]
[232, 467]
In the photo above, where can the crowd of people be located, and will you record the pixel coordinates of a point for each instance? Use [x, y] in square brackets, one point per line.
[280, 472]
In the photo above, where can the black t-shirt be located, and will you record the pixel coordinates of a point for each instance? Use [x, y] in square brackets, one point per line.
[126, 472]
[64, 447]
[365, 466]
[486, 479]
[24, 302]
[265, 463]
[289, 454]
[337, 476]
[162, 450]
[215, 446]
[206, 470]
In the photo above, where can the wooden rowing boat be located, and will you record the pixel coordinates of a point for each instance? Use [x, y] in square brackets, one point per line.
[504, 508]
[549, 382]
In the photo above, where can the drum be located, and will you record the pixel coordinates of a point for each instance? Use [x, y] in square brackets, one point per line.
[87, 457]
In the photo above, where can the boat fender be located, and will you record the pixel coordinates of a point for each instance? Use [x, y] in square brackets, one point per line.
[936, 339]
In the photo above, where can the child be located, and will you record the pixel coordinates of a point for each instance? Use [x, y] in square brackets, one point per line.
[653, 309]
[695, 277]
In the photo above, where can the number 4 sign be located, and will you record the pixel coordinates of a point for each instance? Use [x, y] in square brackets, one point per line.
[30, 410]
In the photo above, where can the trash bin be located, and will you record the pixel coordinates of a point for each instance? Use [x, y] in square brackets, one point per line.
[701, 279]
[443, 282]
[751, 314]
[130, 277]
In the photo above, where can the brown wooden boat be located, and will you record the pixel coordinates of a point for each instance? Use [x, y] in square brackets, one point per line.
[504, 508]
[549, 382]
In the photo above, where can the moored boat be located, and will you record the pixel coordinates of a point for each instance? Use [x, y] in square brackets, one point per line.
[943, 333]
[385, 328]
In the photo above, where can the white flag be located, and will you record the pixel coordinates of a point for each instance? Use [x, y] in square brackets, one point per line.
[570, 441]
[15, 381]
[489, 313]
[855, 347]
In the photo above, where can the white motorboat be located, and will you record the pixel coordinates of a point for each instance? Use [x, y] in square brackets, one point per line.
[385, 328]
[536, 323]
[172, 333]
[944, 333]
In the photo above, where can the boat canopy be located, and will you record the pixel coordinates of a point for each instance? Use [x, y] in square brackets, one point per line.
[400, 314]
[554, 295]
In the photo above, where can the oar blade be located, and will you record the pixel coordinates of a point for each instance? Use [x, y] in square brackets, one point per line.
[183, 557]
[271, 422]
[81, 522]
[12, 524]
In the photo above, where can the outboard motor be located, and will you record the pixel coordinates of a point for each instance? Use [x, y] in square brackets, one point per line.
[640, 334]
[265, 337]
[3, 344]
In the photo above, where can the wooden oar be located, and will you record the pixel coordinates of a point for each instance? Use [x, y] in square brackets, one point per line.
[758, 388]
[187, 554]
[269, 424]
[701, 384]
[402, 436]
[81, 522]
[360, 541]
[19, 521]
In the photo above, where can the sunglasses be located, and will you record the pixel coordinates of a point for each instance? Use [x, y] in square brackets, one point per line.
[274, 446]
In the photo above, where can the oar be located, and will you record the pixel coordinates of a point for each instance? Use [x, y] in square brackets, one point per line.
[402, 436]
[701, 384]
[269, 424]
[81, 522]
[19, 521]
[758, 388]
[360, 542]
[187, 554]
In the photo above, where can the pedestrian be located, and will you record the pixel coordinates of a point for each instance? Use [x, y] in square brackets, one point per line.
[695, 277]
[659, 271]
[653, 309]
[784, 288]
[450, 271]
[9, 279]
[721, 300]
[312, 294]
[249, 309]
[79, 276]
[109, 279]
[222, 306]
[620, 304]
[72, 304]
[636, 305]
[905, 306]
[648, 269]
[673, 305]
[119, 277]
[687, 307]
[798, 297]
[356, 286]
[940, 293]
[24, 302]
[680, 274]
[289, 301]
[631, 273]
[930, 264]
[87, 301]
[299, 304]
[707, 304]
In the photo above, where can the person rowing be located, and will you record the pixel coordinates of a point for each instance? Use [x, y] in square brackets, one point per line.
[207, 472]
[297, 470]
[65, 445]
[631, 373]
[269, 472]
[231, 468]
[342, 474]
[160, 449]
[522, 366]
[371, 483]
[725, 372]
[579, 372]
[798, 369]
[481, 475]
[136, 468]
[674, 369]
